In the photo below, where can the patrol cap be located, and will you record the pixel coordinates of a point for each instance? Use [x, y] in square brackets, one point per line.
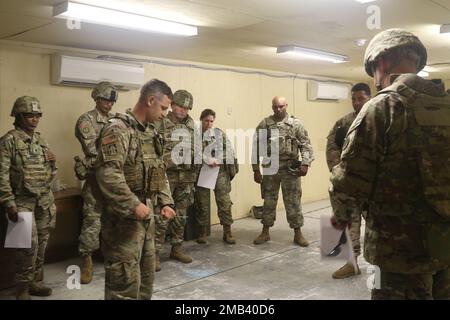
[105, 90]
[183, 99]
[390, 39]
[26, 104]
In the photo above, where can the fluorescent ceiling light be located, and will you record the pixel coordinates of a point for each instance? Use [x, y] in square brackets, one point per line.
[312, 54]
[445, 28]
[120, 19]
[365, 1]
[423, 74]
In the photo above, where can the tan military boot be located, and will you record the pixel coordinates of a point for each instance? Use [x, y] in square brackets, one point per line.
[177, 254]
[22, 291]
[227, 236]
[263, 237]
[299, 239]
[157, 263]
[347, 270]
[203, 236]
[39, 289]
[86, 270]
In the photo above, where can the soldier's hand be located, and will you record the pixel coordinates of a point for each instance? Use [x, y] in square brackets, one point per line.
[303, 170]
[336, 225]
[51, 156]
[142, 211]
[257, 176]
[168, 212]
[213, 163]
[12, 213]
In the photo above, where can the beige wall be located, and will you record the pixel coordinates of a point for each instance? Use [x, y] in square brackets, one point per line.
[247, 96]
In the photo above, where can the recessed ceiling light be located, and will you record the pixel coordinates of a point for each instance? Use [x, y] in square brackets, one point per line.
[365, 1]
[120, 19]
[312, 54]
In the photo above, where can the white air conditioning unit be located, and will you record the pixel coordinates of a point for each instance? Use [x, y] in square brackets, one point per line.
[318, 90]
[86, 72]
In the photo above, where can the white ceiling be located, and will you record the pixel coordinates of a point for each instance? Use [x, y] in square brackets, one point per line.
[241, 32]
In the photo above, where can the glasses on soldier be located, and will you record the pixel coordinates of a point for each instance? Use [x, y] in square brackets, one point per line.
[32, 115]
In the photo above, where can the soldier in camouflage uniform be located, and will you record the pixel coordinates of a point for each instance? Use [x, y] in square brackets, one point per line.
[182, 173]
[27, 169]
[87, 130]
[335, 140]
[132, 180]
[292, 139]
[223, 156]
[396, 158]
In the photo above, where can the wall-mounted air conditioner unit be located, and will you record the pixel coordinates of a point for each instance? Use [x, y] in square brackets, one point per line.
[318, 90]
[86, 72]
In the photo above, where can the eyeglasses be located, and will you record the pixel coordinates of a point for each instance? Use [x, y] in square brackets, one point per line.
[32, 115]
[279, 107]
[337, 250]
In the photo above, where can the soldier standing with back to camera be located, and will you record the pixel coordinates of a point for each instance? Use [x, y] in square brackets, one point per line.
[87, 129]
[27, 169]
[292, 140]
[396, 158]
[132, 181]
[335, 141]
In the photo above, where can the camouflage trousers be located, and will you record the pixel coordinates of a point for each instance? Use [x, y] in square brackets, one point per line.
[183, 197]
[355, 231]
[397, 286]
[292, 192]
[90, 228]
[223, 201]
[29, 262]
[129, 256]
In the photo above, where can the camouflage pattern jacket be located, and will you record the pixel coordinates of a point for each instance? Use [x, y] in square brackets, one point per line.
[216, 145]
[336, 135]
[173, 130]
[293, 139]
[87, 129]
[25, 172]
[396, 157]
[129, 169]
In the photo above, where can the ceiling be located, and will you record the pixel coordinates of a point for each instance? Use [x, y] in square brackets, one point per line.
[241, 33]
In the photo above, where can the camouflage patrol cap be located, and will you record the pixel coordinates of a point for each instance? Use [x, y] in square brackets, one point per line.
[391, 39]
[183, 98]
[26, 104]
[105, 90]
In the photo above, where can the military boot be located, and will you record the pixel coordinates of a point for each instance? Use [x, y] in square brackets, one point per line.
[263, 237]
[227, 236]
[177, 254]
[157, 263]
[203, 236]
[347, 270]
[39, 289]
[39, 276]
[299, 239]
[22, 291]
[86, 270]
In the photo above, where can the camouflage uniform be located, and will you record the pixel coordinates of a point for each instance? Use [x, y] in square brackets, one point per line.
[181, 177]
[87, 130]
[129, 172]
[396, 158]
[293, 138]
[333, 155]
[222, 189]
[25, 178]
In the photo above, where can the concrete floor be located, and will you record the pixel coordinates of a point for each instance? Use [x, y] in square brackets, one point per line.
[277, 269]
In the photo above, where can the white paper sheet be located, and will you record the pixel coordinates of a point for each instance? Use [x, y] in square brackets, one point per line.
[329, 240]
[18, 234]
[208, 177]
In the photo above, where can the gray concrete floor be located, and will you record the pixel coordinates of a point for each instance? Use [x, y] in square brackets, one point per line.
[277, 269]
